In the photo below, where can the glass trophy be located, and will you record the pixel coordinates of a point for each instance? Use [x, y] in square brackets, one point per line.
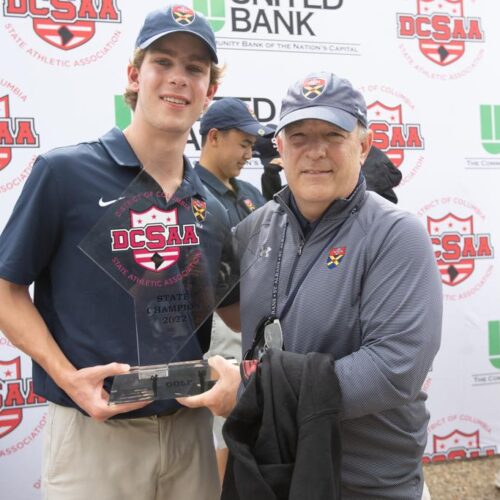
[176, 259]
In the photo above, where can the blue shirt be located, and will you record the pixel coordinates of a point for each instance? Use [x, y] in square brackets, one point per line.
[89, 315]
[239, 202]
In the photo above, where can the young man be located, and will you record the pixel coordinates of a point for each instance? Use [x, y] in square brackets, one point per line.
[347, 274]
[228, 133]
[78, 331]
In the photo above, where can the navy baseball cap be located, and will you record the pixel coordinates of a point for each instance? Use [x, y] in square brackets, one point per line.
[323, 96]
[229, 112]
[176, 19]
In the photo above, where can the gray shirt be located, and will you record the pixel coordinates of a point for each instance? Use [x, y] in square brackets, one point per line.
[363, 285]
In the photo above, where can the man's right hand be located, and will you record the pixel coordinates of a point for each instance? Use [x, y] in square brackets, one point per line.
[86, 388]
[221, 398]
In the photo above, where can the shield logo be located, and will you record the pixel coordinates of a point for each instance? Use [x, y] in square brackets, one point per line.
[442, 53]
[457, 271]
[5, 153]
[63, 35]
[9, 418]
[249, 204]
[199, 208]
[183, 15]
[313, 87]
[156, 261]
[379, 112]
[335, 256]
[455, 439]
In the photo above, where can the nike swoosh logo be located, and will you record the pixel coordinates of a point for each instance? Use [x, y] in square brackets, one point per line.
[103, 203]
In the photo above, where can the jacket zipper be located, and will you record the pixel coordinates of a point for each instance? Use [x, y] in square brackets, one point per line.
[295, 263]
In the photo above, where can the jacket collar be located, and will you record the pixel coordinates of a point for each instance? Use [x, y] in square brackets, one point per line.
[339, 208]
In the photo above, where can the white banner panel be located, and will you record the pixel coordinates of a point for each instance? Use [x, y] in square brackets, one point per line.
[429, 71]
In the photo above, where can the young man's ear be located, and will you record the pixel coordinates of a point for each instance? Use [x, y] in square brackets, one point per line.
[212, 89]
[213, 136]
[133, 78]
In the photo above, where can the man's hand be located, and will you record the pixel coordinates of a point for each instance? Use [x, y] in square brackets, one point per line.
[22, 324]
[85, 388]
[221, 398]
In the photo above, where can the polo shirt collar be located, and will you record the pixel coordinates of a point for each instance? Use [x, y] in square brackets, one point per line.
[117, 146]
[211, 180]
[192, 180]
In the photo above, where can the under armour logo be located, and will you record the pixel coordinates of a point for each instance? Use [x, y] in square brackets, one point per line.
[265, 251]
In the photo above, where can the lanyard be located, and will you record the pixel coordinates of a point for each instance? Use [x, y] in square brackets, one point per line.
[259, 343]
[277, 270]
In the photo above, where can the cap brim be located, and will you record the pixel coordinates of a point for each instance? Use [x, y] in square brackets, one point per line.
[335, 116]
[257, 129]
[149, 41]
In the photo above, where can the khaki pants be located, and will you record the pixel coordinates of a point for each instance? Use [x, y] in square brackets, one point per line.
[426, 493]
[149, 458]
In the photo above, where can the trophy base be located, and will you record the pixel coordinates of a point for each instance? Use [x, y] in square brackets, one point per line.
[157, 382]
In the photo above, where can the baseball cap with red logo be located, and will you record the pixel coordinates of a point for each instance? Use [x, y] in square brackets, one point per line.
[176, 19]
[323, 96]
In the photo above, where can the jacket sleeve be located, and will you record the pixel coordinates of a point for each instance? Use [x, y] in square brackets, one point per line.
[400, 309]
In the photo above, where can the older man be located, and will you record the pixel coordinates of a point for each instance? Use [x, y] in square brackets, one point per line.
[348, 274]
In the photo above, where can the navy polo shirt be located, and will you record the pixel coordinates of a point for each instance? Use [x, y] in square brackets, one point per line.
[89, 315]
[239, 203]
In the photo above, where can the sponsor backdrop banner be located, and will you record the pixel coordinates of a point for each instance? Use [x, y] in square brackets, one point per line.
[429, 71]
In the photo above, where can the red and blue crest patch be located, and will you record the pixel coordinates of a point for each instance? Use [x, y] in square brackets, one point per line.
[335, 256]
[313, 87]
[183, 15]
[199, 208]
[250, 205]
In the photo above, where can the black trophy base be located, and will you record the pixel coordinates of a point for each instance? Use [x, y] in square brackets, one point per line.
[156, 382]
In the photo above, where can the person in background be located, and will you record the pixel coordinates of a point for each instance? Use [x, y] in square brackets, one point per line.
[228, 132]
[381, 175]
[265, 149]
[80, 330]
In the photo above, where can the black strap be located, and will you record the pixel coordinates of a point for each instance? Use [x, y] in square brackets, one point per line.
[277, 271]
